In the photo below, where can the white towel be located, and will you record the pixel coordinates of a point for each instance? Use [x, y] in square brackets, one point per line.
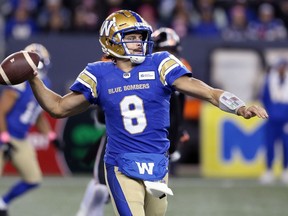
[157, 188]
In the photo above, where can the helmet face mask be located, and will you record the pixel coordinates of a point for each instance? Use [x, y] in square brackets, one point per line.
[114, 29]
[44, 63]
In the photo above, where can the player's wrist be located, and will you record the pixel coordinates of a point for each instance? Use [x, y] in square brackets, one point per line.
[32, 77]
[5, 137]
[240, 111]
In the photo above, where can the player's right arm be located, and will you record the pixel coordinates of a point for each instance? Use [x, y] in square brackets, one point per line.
[56, 105]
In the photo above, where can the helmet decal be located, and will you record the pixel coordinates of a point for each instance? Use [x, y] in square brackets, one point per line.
[138, 18]
[105, 28]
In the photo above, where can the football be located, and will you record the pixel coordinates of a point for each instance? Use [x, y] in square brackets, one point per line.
[18, 67]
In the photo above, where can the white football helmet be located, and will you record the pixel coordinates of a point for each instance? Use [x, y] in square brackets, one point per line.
[44, 63]
[114, 29]
[166, 39]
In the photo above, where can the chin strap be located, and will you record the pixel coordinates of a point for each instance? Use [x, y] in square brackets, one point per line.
[137, 59]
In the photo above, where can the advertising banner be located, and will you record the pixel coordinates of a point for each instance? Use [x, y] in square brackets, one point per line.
[231, 146]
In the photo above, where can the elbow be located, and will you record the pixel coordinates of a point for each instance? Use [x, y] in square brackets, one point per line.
[56, 115]
[56, 111]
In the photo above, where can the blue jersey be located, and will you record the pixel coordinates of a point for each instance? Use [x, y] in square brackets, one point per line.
[25, 111]
[136, 104]
[275, 96]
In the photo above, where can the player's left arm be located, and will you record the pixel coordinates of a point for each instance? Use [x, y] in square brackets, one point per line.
[218, 97]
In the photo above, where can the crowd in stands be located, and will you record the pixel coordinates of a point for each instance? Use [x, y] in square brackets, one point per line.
[234, 20]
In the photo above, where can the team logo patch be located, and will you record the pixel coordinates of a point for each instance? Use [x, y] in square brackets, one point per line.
[147, 75]
[126, 75]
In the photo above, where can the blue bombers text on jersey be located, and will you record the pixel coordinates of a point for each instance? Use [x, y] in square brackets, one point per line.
[136, 104]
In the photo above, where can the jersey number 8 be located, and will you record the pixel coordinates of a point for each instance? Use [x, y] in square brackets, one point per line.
[132, 111]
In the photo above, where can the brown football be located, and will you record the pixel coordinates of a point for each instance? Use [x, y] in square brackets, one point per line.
[18, 67]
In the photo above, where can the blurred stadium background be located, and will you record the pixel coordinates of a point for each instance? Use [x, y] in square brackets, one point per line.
[220, 165]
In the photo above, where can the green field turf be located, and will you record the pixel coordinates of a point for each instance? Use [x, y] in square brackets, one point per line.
[60, 196]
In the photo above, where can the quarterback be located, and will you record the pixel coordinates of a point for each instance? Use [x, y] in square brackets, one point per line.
[137, 119]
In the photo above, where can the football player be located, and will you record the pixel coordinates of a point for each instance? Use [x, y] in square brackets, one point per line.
[134, 91]
[19, 111]
[275, 99]
[95, 197]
